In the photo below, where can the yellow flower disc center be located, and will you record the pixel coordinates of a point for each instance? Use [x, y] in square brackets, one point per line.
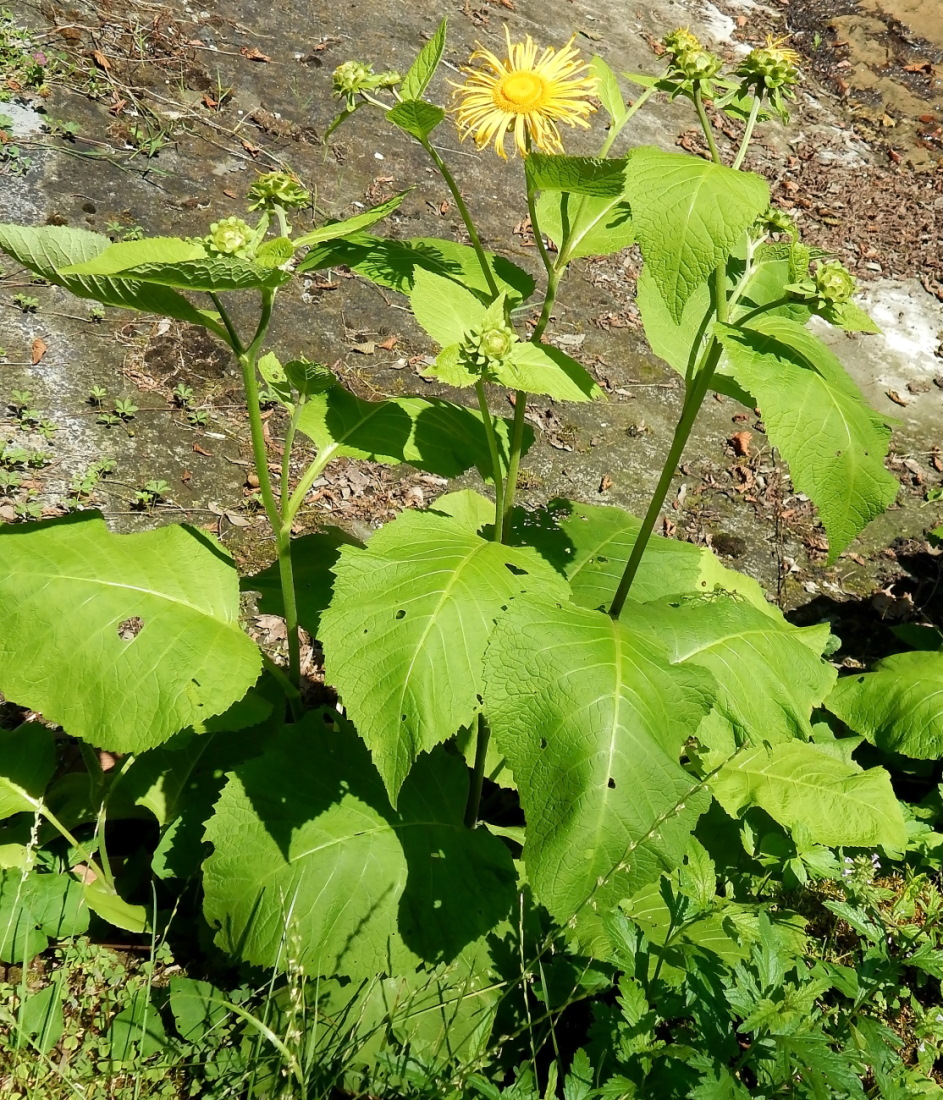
[520, 92]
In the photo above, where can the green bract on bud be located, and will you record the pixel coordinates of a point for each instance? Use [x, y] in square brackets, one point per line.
[277, 189]
[489, 345]
[834, 284]
[770, 67]
[230, 237]
[777, 221]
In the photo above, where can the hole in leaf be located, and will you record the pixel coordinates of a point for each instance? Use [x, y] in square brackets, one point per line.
[611, 784]
[602, 560]
[515, 569]
[403, 718]
[401, 614]
[543, 742]
[129, 629]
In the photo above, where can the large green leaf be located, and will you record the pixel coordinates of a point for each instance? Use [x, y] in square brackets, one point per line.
[356, 224]
[310, 862]
[593, 176]
[428, 433]
[769, 674]
[35, 909]
[798, 783]
[46, 249]
[394, 264]
[405, 635]
[813, 412]
[542, 368]
[592, 718]
[590, 226]
[174, 262]
[898, 706]
[122, 639]
[446, 310]
[423, 69]
[689, 215]
[591, 544]
[27, 763]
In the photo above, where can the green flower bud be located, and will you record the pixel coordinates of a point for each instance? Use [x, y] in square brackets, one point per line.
[229, 237]
[277, 189]
[352, 77]
[698, 64]
[488, 346]
[681, 41]
[834, 284]
[770, 67]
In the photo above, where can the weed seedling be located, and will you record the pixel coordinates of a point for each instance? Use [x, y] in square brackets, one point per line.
[126, 409]
[182, 395]
[9, 480]
[96, 395]
[198, 418]
[26, 303]
[109, 420]
[153, 493]
[125, 232]
[96, 313]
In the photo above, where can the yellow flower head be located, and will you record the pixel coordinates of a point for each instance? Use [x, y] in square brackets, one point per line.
[524, 94]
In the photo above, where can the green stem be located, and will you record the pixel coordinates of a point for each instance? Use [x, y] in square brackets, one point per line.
[308, 478]
[692, 404]
[705, 122]
[289, 442]
[54, 821]
[248, 359]
[616, 130]
[495, 460]
[478, 773]
[535, 225]
[465, 214]
[514, 461]
[234, 340]
[290, 607]
[747, 133]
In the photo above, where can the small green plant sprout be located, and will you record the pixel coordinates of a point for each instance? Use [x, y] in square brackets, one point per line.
[28, 509]
[109, 420]
[126, 408]
[96, 313]
[11, 457]
[64, 129]
[46, 428]
[38, 459]
[96, 395]
[19, 400]
[9, 480]
[3, 353]
[182, 395]
[84, 483]
[143, 140]
[268, 398]
[198, 418]
[125, 232]
[26, 303]
[154, 492]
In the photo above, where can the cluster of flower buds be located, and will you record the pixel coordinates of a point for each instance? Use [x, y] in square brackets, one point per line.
[353, 78]
[230, 237]
[488, 346]
[277, 189]
[688, 58]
